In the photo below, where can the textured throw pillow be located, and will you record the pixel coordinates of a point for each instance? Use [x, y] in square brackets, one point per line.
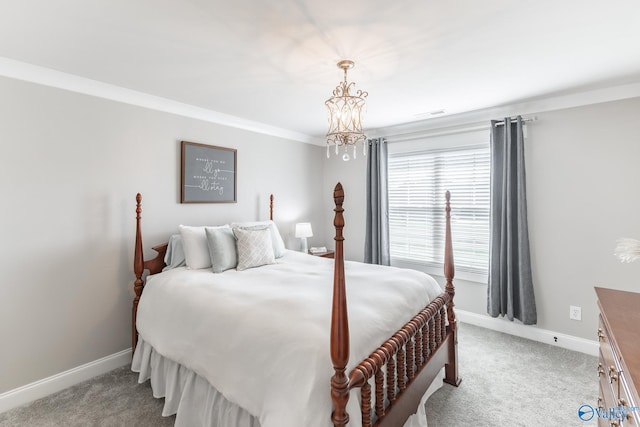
[254, 247]
[276, 238]
[222, 248]
[196, 251]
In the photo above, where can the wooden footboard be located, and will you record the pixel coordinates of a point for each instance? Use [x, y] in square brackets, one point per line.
[404, 366]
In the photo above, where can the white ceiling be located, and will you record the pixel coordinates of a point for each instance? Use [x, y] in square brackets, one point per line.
[273, 62]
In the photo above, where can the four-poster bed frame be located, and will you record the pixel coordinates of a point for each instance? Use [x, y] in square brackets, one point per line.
[401, 369]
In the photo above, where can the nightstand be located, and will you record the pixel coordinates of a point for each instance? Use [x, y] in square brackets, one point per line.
[327, 254]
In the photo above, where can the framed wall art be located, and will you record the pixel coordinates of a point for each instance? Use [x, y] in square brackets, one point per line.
[208, 174]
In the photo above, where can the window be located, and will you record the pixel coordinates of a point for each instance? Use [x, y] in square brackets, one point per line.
[417, 182]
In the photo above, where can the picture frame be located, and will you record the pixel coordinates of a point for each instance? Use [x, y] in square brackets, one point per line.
[208, 174]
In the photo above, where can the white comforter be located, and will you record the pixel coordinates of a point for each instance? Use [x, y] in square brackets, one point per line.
[261, 336]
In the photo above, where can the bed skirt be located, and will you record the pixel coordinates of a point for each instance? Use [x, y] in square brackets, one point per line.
[195, 402]
[186, 394]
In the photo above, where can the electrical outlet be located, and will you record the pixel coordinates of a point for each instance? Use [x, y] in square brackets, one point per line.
[575, 312]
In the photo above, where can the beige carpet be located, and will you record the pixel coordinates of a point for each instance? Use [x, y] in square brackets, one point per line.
[507, 381]
[511, 381]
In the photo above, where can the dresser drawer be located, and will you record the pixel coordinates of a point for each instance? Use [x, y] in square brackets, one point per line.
[609, 358]
[633, 415]
[608, 393]
[606, 346]
[602, 404]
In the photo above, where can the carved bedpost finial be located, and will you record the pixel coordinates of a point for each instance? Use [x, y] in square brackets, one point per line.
[138, 261]
[138, 205]
[449, 269]
[338, 198]
[271, 207]
[339, 321]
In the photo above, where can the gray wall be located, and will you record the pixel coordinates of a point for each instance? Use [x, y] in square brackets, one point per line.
[352, 175]
[70, 167]
[582, 177]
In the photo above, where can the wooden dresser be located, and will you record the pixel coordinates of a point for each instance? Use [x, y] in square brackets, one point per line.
[619, 363]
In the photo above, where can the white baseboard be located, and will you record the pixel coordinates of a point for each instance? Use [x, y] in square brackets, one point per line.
[536, 334]
[41, 388]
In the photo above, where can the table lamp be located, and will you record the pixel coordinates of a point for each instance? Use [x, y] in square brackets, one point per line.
[303, 230]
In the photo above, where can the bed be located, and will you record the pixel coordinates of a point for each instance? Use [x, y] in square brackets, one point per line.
[249, 348]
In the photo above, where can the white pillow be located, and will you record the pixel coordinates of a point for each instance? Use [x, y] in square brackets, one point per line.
[276, 238]
[196, 251]
[254, 247]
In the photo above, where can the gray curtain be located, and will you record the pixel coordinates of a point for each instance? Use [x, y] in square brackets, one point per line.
[510, 291]
[376, 249]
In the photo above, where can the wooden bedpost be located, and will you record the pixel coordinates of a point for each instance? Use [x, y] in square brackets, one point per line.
[271, 207]
[138, 268]
[451, 367]
[339, 322]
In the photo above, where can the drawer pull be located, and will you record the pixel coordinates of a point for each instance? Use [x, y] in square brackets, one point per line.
[601, 335]
[600, 371]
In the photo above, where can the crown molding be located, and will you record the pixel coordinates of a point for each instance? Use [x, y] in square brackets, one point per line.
[48, 77]
[479, 117]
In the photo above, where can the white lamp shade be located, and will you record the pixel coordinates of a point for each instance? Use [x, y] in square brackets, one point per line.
[303, 229]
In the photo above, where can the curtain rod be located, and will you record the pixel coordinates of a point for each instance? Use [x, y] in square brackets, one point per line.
[528, 119]
[430, 133]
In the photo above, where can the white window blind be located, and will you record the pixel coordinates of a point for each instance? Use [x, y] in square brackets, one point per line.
[417, 184]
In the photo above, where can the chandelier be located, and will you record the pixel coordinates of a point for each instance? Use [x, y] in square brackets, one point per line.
[345, 115]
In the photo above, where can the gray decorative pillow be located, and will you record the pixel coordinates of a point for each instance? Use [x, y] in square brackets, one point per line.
[254, 247]
[222, 248]
[276, 238]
